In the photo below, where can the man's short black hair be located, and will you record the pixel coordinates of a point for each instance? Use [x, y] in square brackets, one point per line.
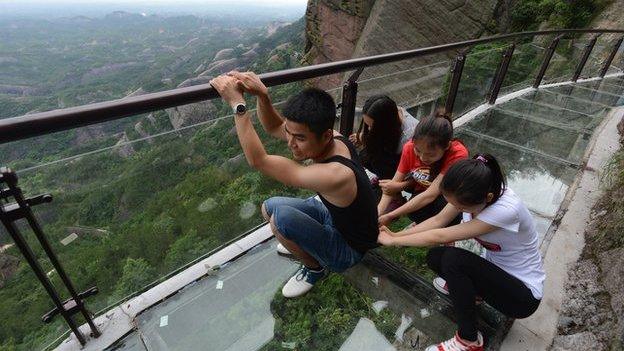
[312, 107]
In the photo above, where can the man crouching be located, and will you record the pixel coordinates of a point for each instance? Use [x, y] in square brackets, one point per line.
[333, 233]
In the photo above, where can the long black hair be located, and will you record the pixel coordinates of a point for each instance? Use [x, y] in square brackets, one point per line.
[470, 180]
[385, 135]
[437, 129]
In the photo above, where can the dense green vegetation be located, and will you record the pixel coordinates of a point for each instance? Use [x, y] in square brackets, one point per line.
[176, 197]
[140, 215]
[529, 14]
[325, 317]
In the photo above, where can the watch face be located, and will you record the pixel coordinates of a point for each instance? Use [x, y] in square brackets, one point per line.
[240, 109]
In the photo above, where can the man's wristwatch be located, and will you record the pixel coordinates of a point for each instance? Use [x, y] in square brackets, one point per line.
[240, 109]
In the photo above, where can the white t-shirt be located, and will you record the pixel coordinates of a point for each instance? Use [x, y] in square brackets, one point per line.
[513, 247]
[407, 128]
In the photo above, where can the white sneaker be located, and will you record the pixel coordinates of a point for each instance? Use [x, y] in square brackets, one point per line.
[282, 250]
[440, 285]
[454, 344]
[302, 281]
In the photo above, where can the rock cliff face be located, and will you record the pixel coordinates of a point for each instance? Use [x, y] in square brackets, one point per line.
[333, 28]
[335, 31]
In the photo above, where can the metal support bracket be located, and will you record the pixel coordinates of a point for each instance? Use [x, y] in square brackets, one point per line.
[501, 72]
[609, 60]
[349, 99]
[546, 61]
[588, 49]
[21, 209]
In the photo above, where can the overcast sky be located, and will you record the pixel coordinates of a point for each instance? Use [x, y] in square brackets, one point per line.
[173, 2]
[60, 8]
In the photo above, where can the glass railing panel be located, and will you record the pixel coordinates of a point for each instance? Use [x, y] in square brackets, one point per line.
[409, 88]
[524, 65]
[477, 76]
[564, 60]
[128, 216]
[599, 55]
[617, 66]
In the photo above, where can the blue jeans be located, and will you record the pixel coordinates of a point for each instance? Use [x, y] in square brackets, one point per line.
[308, 223]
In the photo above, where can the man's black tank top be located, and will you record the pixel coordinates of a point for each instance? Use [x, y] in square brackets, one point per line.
[357, 222]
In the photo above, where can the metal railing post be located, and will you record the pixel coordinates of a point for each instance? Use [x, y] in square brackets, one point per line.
[501, 72]
[21, 209]
[457, 70]
[588, 49]
[546, 61]
[349, 99]
[607, 63]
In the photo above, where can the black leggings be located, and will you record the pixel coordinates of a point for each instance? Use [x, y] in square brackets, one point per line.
[468, 275]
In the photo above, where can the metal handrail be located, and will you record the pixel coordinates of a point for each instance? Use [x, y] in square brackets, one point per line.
[27, 126]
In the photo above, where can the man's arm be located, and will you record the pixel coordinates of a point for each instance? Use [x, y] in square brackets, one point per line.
[322, 178]
[270, 119]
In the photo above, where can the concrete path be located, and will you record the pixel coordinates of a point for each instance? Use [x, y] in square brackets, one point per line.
[537, 332]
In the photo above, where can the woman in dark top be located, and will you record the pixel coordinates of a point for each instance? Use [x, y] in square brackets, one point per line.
[383, 131]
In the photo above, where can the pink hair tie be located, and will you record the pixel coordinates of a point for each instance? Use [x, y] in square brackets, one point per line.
[482, 159]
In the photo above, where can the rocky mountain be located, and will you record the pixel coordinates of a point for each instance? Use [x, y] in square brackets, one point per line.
[338, 30]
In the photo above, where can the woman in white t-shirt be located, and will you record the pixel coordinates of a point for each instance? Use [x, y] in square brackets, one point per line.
[509, 278]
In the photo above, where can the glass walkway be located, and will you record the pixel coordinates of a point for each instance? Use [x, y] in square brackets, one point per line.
[371, 307]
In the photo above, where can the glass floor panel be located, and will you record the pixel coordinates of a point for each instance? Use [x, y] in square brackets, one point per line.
[605, 86]
[575, 104]
[550, 139]
[588, 94]
[241, 308]
[541, 182]
[131, 342]
[555, 114]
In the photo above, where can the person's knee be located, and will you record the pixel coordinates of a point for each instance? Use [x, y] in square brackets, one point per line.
[267, 207]
[282, 221]
[450, 259]
[434, 258]
[263, 210]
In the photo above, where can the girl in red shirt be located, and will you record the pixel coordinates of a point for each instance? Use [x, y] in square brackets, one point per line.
[424, 161]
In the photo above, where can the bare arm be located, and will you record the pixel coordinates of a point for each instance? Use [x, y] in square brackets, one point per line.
[433, 237]
[270, 119]
[388, 195]
[442, 219]
[421, 200]
[322, 178]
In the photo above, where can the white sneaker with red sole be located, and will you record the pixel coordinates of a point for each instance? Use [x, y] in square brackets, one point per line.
[455, 344]
[440, 285]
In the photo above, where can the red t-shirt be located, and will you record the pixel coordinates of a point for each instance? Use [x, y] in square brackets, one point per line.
[410, 162]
